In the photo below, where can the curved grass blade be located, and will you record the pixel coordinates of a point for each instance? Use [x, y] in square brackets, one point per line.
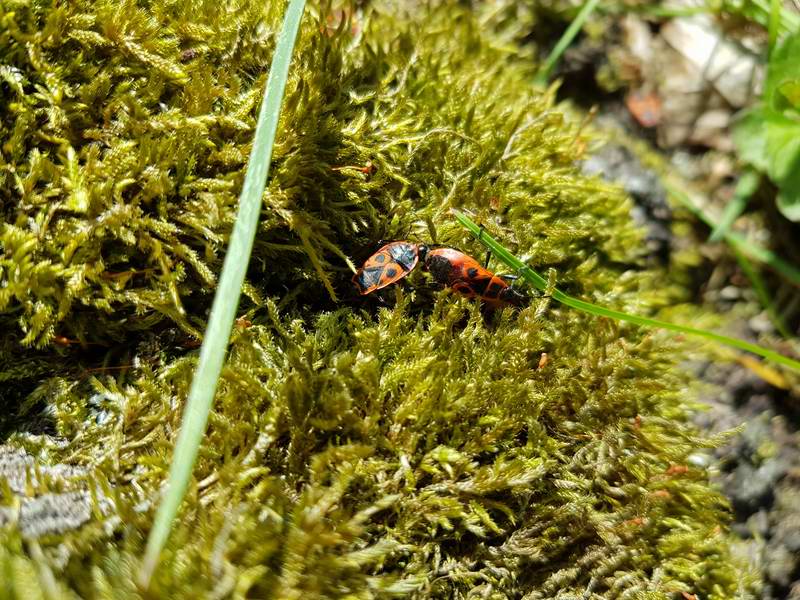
[737, 241]
[762, 293]
[226, 299]
[601, 311]
[745, 188]
[566, 39]
[787, 20]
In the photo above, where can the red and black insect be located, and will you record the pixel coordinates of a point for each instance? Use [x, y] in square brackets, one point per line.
[467, 276]
[448, 266]
[388, 265]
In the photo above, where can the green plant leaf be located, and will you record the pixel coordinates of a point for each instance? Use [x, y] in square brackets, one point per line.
[768, 137]
[541, 284]
[788, 202]
[226, 298]
[782, 69]
[783, 147]
[750, 137]
[783, 152]
[770, 142]
[791, 91]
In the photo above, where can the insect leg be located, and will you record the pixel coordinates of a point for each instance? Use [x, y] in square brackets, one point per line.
[488, 253]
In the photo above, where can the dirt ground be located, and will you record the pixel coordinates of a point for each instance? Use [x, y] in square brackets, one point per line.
[759, 469]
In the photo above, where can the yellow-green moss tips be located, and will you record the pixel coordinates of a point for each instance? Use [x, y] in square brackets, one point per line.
[353, 452]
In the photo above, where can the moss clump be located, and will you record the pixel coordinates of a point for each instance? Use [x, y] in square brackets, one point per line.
[423, 449]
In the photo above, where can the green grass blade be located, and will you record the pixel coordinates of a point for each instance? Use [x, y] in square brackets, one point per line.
[745, 188]
[762, 292]
[670, 12]
[774, 23]
[737, 241]
[787, 20]
[226, 299]
[566, 39]
[541, 284]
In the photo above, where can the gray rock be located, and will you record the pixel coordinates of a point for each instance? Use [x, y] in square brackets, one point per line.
[751, 487]
[35, 509]
[49, 513]
[780, 565]
[617, 164]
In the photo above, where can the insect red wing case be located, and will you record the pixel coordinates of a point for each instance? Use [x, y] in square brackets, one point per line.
[467, 276]
[388, 265]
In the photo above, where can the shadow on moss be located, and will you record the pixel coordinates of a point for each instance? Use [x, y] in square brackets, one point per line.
[351, 452]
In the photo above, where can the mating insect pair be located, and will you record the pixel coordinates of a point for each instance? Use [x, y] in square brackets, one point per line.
[448, 266]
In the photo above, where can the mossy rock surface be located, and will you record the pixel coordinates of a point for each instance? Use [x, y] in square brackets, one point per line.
[425, 449]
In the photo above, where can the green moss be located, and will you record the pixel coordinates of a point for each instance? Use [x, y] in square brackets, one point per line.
[422, 449]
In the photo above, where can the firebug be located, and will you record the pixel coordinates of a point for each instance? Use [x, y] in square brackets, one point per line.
[467, 276]
[388, 265]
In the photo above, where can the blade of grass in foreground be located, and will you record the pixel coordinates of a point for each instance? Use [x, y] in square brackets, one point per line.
[541, 284]
[226, 299]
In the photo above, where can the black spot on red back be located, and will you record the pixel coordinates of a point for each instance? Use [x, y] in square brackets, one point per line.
[479, 285]
[440, 268]
[462, 287]
[495, 287]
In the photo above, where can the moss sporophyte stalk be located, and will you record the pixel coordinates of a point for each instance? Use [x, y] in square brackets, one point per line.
[421, 449]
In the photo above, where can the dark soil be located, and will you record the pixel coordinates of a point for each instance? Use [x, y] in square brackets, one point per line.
[759, 469]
